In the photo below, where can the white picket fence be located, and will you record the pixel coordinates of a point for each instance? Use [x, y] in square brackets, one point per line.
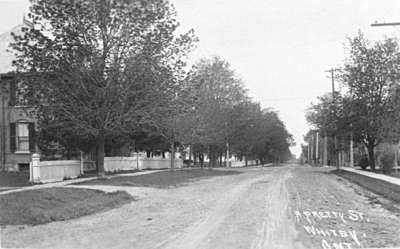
[239, 164]
[53, 171]
[160, 163]
[115, 164]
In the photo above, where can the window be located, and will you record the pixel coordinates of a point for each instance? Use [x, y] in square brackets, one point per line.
[22, 137]
[18, 92]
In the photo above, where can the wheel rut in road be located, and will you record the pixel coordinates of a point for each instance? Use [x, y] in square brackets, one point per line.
[278, 229]
[273, 227]
[196, 234]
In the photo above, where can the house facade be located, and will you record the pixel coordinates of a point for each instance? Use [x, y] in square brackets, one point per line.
[17, 128]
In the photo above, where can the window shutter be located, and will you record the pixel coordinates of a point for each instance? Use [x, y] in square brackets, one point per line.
[32, 137]
[13, 138]
[13, 93]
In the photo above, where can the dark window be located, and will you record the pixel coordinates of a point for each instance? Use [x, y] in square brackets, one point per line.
[21, 92]
[18, 90]
[22, 137]
[23, 166]
[13, 93]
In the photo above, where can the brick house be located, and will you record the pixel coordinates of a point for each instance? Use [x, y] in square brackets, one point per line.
[17, 129]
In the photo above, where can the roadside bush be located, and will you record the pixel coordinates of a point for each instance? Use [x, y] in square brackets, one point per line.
[387, 162]
[363, 162]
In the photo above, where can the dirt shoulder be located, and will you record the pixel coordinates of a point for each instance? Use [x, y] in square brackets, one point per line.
[331, 211]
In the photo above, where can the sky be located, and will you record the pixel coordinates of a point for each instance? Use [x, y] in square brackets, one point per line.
[280, 49]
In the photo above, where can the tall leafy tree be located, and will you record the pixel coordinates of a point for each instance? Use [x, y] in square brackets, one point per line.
[100, 68]
[223, 118]
[370, 73]
[215, 91]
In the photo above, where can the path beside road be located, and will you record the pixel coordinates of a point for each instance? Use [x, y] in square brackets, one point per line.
[71, 181]
[390, 179]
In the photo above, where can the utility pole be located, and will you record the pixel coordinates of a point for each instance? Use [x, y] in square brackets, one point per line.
[332, 72]
[227, 146]
[325, 160]
[317, 149]
[312, 147]
[351, 148]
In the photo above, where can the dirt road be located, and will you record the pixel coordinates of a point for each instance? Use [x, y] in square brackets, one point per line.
[282, 207]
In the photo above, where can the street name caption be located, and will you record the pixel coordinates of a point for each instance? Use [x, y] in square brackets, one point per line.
[343, 238]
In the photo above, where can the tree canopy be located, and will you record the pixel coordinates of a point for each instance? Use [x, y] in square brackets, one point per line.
[366, 110]
[100, 68]
[115, 71]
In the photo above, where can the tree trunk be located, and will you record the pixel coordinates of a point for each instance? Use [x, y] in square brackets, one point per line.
[246, 161]
[190, 156]
[227, 155]
[214, 159]
[172, 155]
[201, 159]
[210, 157]
[100, 156]
[371, 156]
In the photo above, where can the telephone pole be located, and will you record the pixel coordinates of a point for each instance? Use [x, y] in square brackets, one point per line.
[317, 149]
[312, 147]
[332, 72]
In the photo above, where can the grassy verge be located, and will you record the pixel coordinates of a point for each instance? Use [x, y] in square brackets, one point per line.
[56, 204]
[379, 187]
[94, 173]
[162, 179]
[14, 179]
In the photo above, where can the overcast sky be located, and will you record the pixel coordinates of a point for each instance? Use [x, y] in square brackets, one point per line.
[280, 49]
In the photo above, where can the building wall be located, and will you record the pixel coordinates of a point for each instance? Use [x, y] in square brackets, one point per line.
[11, 160]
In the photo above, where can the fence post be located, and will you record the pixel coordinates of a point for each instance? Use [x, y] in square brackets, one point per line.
[34, 175]
[82, 161]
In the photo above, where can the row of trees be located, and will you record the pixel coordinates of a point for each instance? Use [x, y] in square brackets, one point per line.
[368, 110]
[103, 73]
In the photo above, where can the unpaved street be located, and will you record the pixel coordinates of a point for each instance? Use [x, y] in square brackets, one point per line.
[277, 207]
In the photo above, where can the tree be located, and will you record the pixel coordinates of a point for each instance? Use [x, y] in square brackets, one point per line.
[246, 128]
[331, 117]
[223, 119]
[275, 140]
[214, 90]
[370, 73]
[100, 67]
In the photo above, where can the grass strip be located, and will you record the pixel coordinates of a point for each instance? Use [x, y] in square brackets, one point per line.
[14, 179]
[41, 206]
[379, 187]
